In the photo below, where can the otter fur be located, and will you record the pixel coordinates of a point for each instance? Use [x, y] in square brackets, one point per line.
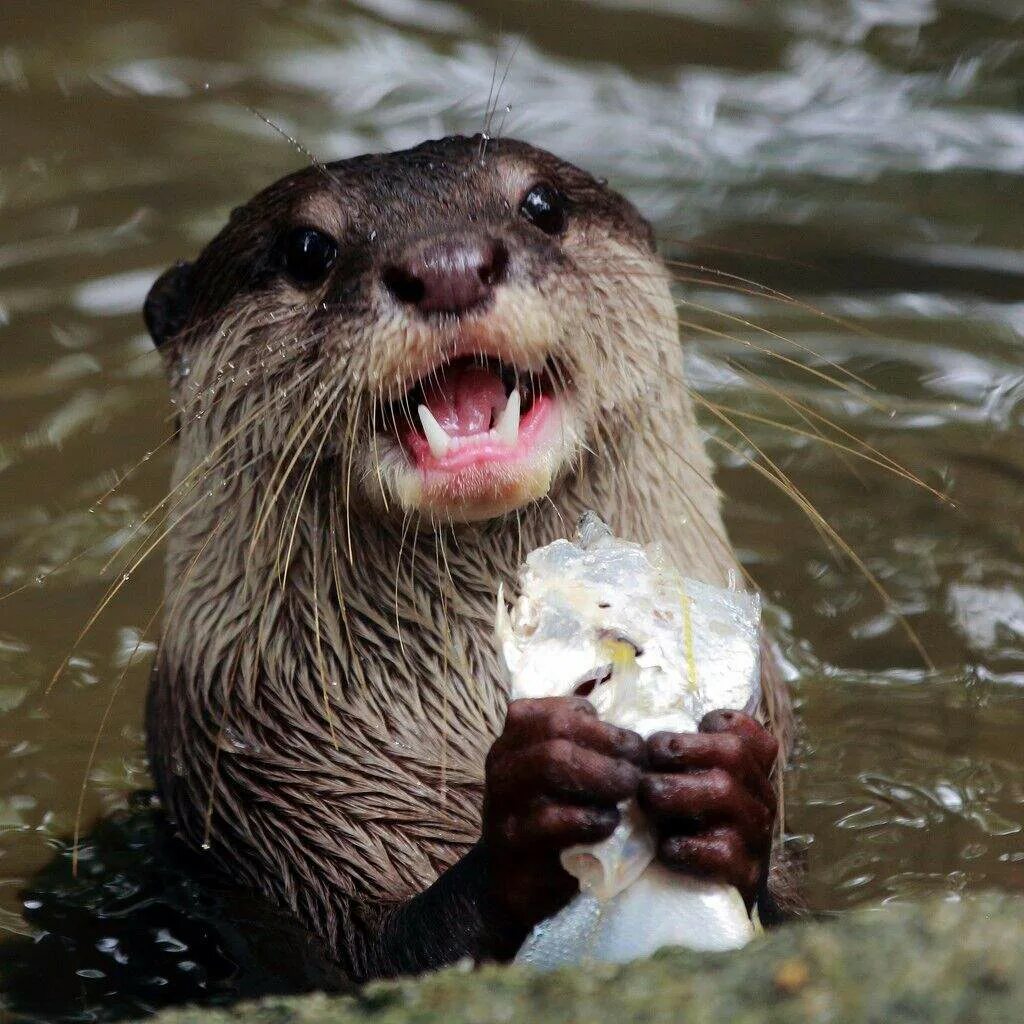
[326, 689]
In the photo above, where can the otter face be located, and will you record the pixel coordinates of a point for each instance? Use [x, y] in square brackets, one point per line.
[451, 326]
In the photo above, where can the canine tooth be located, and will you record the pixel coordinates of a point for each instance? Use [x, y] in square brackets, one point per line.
[440, 443]
[507, 427]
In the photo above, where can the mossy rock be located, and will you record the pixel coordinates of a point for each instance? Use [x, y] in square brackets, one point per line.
[932, 963]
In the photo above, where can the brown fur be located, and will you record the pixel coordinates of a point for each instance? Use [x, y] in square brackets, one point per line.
[327, 686]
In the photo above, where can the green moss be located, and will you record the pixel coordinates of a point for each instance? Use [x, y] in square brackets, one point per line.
[933, 963]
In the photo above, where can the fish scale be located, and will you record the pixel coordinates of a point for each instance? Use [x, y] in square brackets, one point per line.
[652, 651]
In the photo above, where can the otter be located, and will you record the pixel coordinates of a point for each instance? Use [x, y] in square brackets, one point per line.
[393, 376]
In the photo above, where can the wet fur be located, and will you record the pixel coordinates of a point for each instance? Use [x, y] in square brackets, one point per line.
[327, 687]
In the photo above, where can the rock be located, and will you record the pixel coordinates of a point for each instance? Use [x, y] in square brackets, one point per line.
[936, 962]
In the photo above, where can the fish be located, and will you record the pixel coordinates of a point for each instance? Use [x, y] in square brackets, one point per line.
[614, 621]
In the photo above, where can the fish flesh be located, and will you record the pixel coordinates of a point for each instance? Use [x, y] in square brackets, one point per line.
[614, 621]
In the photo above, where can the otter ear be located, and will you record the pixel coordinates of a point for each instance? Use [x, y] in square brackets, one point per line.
[167, 305]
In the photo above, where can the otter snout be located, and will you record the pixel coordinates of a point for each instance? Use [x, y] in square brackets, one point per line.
[450, 274]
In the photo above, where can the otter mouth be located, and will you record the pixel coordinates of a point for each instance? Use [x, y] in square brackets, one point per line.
[481, 436]
[474, 410]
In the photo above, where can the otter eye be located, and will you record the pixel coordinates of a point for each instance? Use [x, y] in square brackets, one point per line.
[308, 255]
[545, 208]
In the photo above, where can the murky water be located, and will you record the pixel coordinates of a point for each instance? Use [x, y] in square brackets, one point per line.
[863, 155]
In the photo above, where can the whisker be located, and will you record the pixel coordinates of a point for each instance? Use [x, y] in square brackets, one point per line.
[772, 472]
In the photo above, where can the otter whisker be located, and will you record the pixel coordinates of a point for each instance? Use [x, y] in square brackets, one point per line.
[491, 109]
[802, 367]
[210, 397]
[285, 465]
[870, 454]
[794, 407]
[820, 524]
[137, 528]
[772, 471]
[485, 128]
[194, 478]
[803, 348]
[218, 746]
[721, 554]
[115, 689]
[173, 436]
[313, 464]
[733, 283]
[809, 415]
[142, 552]
[263, 406]
[733, 250]
[339, 591]
[446, 647]
[321, 664]
[900, 470]
[845, 371]
[376, 454]
[837, 445]
[406, 520]
[112, 592]
[348, 475]
[773, 293]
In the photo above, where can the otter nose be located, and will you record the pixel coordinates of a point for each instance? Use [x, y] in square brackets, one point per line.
[448, 275]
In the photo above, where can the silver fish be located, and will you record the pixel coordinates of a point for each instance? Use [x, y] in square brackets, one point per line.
[614, 621]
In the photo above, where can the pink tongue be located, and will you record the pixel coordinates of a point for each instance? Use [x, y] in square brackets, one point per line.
[463, 400]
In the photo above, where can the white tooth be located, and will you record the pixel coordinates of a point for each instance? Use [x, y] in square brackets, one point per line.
[507, 427]
[440, 443]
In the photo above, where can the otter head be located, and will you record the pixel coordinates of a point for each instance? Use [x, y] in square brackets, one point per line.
[451, 326]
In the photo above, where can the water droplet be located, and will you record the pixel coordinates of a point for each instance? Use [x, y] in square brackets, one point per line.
[206, 845]
[126, 577]
[40, 579]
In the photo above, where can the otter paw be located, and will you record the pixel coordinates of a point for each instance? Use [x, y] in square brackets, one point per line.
[711, 800]
[553, 779]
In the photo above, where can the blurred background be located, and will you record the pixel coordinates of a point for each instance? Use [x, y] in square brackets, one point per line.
[841, 181]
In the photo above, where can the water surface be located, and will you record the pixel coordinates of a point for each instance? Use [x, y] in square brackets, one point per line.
[863, 156]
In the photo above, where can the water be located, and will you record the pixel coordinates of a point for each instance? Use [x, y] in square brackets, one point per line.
[862, 154]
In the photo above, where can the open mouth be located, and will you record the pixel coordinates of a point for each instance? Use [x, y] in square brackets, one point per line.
[474, 410]
[481, 435]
